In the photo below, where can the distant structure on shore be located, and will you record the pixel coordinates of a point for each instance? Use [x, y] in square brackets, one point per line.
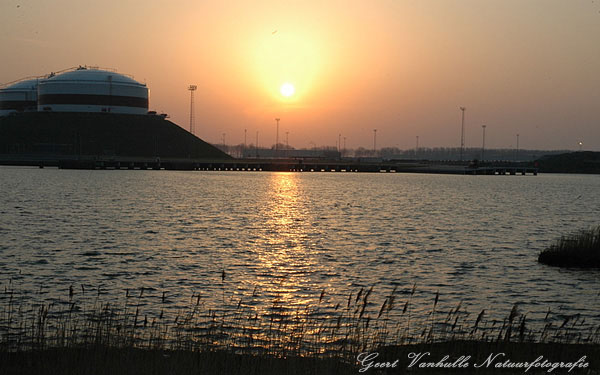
[79, 89]
[19, 97]
[86, 112]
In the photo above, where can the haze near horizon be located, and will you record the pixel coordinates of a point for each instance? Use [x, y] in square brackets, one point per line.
[402, 67]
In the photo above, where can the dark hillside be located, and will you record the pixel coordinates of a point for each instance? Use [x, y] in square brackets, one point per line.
[56, 134]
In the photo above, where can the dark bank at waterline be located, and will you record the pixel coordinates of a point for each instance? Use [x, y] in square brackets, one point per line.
[124, 141]
[463, 357]
[572, 162]
[108, 140]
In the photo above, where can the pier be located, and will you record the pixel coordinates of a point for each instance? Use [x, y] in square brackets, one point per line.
[269, 165]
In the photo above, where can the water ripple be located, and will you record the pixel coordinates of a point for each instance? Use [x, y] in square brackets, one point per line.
[293, 236]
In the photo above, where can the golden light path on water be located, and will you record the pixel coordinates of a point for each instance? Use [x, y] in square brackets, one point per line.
[286, 262]
[285, 257]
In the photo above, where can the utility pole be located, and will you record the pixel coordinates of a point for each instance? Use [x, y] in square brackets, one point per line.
[483, 143]
[192, 88]
[462, 133]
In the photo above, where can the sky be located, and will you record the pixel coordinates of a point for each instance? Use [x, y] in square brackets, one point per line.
[403, 67]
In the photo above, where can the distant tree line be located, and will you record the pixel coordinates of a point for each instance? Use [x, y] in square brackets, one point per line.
[454, 153]
[423, 153]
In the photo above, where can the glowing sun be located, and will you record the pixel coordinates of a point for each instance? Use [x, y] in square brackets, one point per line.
[287, 89]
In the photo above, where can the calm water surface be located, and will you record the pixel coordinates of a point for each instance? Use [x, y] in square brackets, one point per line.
[291, 236]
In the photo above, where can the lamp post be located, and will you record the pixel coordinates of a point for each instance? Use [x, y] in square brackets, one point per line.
[417, 147]
[277, 139]
[374, 141]
[483, 143]
[192, 88]
[462, 132]
[244, 150]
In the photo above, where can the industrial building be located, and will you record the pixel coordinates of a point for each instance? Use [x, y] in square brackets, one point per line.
[89, 116]
[19, 97]
[79, 89]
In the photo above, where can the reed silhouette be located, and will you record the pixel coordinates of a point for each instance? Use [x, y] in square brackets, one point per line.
[581, 249]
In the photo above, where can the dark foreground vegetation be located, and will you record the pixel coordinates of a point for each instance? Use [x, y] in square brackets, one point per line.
[388, 360]
[581, 250]
[71, 337]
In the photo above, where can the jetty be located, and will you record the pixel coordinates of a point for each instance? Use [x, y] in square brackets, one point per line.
[262, 165]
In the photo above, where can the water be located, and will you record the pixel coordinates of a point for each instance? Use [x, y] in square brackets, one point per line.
[290, 236]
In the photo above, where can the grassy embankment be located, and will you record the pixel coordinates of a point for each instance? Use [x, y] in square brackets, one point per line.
[580, 250]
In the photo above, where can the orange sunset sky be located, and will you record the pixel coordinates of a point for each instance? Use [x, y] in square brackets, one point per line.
[530, 67]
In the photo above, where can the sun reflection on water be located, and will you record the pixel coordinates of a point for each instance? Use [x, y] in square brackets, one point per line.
[284, 254]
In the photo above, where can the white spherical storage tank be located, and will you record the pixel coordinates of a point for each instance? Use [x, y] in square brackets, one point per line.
[19, 97]
[92, 90]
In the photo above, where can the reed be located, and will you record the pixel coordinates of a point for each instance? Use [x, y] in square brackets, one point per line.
[581, 249]
[241, 335]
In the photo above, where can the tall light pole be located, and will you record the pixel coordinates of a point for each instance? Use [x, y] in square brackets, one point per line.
[462, 132]
[483, 143]
[244, 149]
[192, 88]
[580, 145]
[417, 146]
[374, 141]
[277, 138]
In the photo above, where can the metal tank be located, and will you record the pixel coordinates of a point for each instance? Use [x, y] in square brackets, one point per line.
[92, 90]
[19, 97]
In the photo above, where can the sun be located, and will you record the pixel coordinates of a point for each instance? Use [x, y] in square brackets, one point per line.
[287, 89]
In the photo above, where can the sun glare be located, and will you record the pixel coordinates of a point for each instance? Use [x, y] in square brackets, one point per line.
[287, 89]
[286, 64]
